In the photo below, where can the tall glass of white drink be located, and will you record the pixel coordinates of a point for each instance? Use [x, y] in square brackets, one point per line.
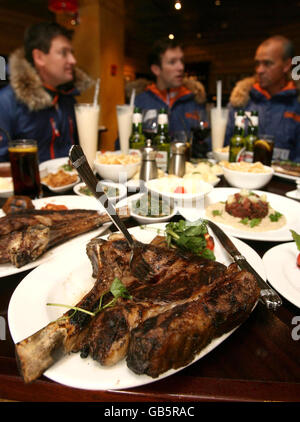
[218, 119]
[124, 116]
[87, 118]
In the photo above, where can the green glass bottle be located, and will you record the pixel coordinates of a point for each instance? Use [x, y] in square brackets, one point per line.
[161, 141]
[237, 142]
[251, 137]
[137, 138]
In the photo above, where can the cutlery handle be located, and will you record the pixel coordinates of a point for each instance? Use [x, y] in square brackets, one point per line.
[80, 163]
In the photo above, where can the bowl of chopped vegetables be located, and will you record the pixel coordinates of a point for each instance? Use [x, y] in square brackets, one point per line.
[114, 191]
[147, 208]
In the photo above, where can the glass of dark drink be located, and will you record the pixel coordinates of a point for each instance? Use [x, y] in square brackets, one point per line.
[263, 149]
[23, 157]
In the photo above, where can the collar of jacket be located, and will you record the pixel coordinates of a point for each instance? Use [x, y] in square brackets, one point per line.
[169, 96]
[28, 86]
[240, 94]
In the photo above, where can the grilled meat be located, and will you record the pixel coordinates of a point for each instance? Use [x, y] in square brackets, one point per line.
[173, 338]
[184, 285]
[26, 235]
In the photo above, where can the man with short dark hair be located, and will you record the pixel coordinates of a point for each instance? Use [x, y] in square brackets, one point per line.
[184, 99]
[274, 95]
[39, 101]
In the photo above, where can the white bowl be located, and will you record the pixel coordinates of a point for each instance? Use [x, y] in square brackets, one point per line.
[61, 189]
[117, 172]
[248, 180]
[195, 189]
[220, 156]
[122, 190]
[149, 220]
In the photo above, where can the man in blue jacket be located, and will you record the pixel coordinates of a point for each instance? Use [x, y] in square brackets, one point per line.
[183, 98]
[39, 101]
[275, 96]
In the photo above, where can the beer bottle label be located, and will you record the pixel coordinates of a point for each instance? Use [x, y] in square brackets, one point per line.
[239, 121]
[248, 156]
[162, 160]
[137, 118]
[240, 155]
[162, 119]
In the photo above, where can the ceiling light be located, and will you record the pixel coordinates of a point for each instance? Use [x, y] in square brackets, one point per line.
[171, 36]
[177, 5]
[218, 2]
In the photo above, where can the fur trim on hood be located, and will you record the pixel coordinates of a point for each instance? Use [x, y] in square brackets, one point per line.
[28, 86]
[140, 86]
[241, 92]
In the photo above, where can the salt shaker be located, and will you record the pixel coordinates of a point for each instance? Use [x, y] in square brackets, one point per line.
[178, 159]
[148, 167]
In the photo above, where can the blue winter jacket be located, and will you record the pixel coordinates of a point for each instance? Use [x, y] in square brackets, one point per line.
[184, 112]
[279, 115]
[30, 110]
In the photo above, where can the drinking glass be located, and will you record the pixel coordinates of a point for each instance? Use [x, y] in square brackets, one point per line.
[218, 118]
[263, 149]
[124, 117]
[87, 119]
[23, 157]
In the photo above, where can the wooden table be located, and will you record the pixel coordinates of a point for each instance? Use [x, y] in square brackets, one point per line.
[260, 361]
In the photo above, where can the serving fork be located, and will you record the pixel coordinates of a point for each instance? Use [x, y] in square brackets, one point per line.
[267, 295]
[138, 266]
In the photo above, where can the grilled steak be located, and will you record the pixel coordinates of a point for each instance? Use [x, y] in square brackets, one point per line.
[26, 235]
[173, 338]
[184, 285]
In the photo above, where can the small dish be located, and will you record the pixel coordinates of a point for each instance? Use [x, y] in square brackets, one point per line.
[82, 190]
[246, 179]
[63, 188]
[142, 219]
[193, 191]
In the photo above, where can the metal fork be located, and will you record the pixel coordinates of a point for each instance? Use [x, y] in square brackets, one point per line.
[138, 266]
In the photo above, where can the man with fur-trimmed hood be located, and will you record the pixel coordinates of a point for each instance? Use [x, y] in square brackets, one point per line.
[39, 101]
[184, 99]
[274, 95]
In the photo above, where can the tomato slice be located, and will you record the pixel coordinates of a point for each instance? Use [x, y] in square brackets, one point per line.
[210, 243]
[298, 260]
[179, 189]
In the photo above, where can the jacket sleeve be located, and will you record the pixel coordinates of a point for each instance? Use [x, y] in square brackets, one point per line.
[7, 121]
[230, 125]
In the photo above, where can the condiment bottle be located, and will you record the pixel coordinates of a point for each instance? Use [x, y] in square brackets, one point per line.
[178, 159]
[148, 167]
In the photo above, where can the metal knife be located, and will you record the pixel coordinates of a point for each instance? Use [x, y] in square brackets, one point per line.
[267, 295]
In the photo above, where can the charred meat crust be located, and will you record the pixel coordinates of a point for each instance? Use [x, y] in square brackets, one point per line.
[173, 339]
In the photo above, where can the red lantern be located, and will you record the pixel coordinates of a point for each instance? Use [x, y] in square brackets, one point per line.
[59, 6]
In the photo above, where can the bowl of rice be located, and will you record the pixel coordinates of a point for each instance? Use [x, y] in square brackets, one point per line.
[247, 175]
[117, 167]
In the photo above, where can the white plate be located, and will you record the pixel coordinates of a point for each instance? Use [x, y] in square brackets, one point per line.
[282, 271]
[65, 280]
[122, 190]
[293, 194]
[5, 193]
[286, 176]
[71, 202]
[140, 219]
[52, 166]
[288, 207]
